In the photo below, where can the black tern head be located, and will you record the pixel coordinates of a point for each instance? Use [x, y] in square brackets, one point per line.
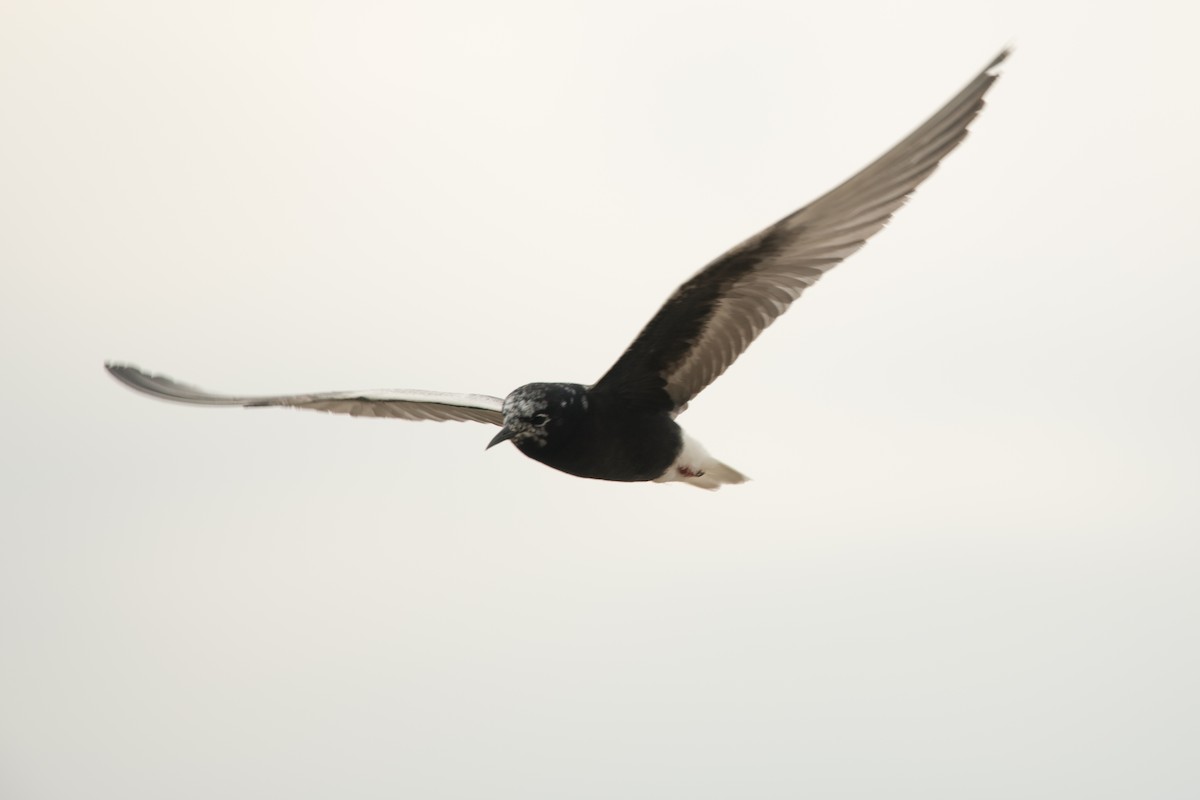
[536, 412]
[622, 428]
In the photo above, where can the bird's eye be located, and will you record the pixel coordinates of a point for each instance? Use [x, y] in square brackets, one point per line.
[539, 420]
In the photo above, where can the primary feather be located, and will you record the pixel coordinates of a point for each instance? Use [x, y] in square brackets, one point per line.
[712, 318]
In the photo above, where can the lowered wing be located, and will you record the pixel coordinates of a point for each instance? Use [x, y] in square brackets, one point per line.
[413, 404]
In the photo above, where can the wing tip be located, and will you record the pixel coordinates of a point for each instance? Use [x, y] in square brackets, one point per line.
[1001, 57]
[125, 373]
[133, 375]
[159, 386]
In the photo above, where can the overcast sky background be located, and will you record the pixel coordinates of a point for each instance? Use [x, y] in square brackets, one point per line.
[966, 567]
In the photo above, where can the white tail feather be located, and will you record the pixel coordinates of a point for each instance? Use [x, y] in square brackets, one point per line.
[695, 467]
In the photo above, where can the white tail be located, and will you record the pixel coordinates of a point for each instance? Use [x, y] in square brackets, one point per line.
[695, 467]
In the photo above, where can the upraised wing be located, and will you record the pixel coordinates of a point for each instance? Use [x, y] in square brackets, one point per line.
[413, 404]
[711, 319]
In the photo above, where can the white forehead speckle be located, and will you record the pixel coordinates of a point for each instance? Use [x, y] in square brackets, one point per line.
[533, 398]
[525, 402]
[558, 402]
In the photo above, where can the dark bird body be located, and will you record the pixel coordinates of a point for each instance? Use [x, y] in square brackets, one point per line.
[623, 427]
[593, 434]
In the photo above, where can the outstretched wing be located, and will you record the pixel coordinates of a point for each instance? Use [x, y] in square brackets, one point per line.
[397, 403]
[710, 320]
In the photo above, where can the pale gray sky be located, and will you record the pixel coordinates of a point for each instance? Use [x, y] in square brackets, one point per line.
[966, 567]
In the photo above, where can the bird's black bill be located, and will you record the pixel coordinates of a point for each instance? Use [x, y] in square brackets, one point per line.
[503, 435]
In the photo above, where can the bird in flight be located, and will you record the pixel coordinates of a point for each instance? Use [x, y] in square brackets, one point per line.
[622, 428]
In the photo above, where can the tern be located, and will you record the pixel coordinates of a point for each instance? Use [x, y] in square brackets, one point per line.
[622, 427]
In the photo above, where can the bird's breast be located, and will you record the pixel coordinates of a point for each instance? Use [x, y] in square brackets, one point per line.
[610, 445]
